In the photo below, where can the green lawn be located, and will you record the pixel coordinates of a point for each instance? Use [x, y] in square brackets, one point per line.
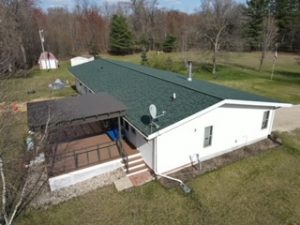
[38, 80]
[237, 70]
[259, 190]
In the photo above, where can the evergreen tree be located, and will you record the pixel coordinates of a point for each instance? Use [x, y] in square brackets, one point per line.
[288, 17]
[120, 36]
[169, 44]
[93, 48]
[256, 12]
[144, 58]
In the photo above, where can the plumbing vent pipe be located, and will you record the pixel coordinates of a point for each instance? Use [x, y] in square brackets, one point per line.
[174, 96]
[190, 68]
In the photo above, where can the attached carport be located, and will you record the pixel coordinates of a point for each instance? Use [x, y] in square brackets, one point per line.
[81, 131]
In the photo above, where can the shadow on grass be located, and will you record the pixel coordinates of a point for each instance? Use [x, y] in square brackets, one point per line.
[225, 72]
[294, 75]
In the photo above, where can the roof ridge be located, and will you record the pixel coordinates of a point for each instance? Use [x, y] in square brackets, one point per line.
[184, 86]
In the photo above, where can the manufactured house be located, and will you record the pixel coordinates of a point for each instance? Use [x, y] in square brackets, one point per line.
[202, 120]
[167, 122]
[47, 61]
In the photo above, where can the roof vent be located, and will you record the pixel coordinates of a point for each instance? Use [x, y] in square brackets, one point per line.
[174, 96]
[190, 68]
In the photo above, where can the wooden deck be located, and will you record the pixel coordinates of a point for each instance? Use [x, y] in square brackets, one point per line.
[85, 152]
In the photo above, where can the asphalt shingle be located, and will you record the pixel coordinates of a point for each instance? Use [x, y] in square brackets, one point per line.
[138, 87]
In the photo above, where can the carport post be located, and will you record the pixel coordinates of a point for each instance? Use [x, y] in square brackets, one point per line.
[120, 141]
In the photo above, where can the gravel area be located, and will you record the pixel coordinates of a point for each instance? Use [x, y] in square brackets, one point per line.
[47, 197]
[287, 119]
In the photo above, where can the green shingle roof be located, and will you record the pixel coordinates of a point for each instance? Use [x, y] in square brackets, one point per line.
[138, 87]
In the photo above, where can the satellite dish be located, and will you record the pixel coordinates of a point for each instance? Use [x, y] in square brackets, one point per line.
[153, 111]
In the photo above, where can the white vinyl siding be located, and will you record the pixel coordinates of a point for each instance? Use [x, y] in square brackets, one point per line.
[233, 127]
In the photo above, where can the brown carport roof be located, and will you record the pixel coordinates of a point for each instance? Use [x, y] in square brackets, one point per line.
[73, 110]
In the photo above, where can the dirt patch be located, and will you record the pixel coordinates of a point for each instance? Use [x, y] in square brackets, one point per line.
[21, 106]
[218, 162]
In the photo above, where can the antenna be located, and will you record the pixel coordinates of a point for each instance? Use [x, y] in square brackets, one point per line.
[154, 116]
[42, 38]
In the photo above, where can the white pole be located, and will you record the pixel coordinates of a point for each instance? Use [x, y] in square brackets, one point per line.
[42, 39]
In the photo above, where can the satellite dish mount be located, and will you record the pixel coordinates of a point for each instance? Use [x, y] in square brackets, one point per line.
[154, 116]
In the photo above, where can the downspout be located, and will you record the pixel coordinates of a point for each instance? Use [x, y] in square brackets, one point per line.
[183, 186]
[154, 154]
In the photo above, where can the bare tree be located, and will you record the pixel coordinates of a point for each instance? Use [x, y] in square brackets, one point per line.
[269, 35]
[17, 36]
[22, 176]
[216, 16]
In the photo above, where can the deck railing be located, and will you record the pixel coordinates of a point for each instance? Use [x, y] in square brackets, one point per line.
[71, 160]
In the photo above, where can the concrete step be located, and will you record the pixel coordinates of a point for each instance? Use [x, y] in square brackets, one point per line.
[135, 168]
[136, 165]
[134, 157]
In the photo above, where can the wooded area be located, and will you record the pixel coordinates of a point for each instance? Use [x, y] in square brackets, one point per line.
[128, 27]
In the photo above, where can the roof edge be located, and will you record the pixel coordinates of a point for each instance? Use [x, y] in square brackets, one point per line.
[185, 120]
[202, 112]
[258, 103]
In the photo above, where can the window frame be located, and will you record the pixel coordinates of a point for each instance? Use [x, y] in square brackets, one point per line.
[209, 137]
[265, 120]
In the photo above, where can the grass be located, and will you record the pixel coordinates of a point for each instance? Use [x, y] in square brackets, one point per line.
[38, 80]
[259, 190]
[237, 70]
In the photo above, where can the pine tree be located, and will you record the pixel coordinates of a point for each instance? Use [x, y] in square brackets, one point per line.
[256, 12]
[120, 36]
[144, 58]
[288, 17]
[93, 48]
[169, 44]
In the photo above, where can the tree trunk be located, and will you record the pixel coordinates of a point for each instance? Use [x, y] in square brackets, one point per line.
[262, 59]
[214, 59]
[24, 55]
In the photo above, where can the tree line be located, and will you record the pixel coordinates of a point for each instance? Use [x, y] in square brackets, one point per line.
[128, 27]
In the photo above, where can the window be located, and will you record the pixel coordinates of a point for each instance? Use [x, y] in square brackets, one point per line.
[208, 132]
[265, 120]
